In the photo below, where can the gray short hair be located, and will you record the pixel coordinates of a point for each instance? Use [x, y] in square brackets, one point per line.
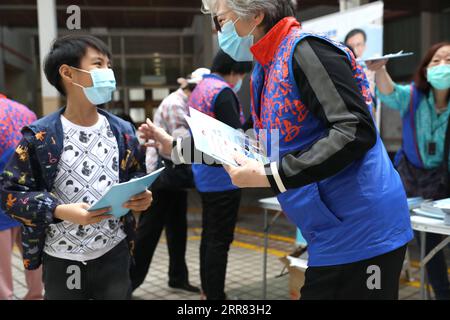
[274, 10]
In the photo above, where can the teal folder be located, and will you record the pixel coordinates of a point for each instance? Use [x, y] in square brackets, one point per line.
[120, 193]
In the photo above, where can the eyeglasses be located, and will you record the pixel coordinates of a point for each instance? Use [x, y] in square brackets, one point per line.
[215, 19]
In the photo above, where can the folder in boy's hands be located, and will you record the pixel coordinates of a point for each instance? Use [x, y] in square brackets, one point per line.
[119, 194]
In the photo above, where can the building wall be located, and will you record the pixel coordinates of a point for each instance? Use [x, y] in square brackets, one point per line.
[18, 67]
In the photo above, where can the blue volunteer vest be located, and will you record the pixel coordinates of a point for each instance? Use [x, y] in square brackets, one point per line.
[410, 147]
[359, 213]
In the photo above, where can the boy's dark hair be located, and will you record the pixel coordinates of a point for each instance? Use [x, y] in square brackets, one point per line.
[225, 65]
[70, 50]
[354, 32]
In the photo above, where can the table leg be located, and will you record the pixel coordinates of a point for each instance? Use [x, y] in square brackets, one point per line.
[422, 266]
[407, 267]
[427, 258]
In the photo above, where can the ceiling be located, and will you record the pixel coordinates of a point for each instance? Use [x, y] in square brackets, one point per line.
[177, 14]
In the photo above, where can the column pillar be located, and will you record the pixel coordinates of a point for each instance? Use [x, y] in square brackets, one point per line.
[48, 32]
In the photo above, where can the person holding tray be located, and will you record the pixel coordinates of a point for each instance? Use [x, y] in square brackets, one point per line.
[422, 162]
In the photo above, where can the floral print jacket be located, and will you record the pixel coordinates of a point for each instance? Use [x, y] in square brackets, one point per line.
[29, 176]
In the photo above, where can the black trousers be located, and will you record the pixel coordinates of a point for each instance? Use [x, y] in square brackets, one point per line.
[169, 211]
[220, 210]
[105, 278]
[356, 281]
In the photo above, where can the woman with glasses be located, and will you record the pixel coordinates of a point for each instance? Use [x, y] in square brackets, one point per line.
[332, 174]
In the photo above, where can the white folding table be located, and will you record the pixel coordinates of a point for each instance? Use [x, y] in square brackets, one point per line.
[426, 225]
[420, 224]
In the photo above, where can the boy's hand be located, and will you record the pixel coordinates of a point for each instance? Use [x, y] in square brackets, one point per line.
[78, 213]
[140, 202]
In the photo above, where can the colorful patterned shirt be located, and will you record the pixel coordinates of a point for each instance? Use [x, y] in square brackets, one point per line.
[13, 116]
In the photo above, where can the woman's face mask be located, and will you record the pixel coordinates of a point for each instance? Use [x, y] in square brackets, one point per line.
[235, 46]
[439, 76]
[103, 85]
[438, 73]
[237, 87]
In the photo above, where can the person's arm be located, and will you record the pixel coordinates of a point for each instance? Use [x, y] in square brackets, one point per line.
[24, 198]
[182, 149]
[227, 109]
[384, 81]
[328, 89]
[391, 94]
[177, 124]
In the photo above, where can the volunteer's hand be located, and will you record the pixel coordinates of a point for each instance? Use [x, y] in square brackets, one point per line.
[78, 213]
[376, 65]
[140, 202]
[249, 174]
[157, 137]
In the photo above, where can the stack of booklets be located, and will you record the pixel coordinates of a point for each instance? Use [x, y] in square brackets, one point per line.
[439, 209]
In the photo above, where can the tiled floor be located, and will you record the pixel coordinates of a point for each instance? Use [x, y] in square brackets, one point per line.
[240, 285]
[244, 274]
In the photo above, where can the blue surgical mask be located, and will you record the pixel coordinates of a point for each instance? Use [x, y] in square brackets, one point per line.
[235, 46]
[439, 77]
[103, 86]
[237, 87]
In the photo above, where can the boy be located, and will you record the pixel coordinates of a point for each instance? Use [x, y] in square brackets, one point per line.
[56, 172]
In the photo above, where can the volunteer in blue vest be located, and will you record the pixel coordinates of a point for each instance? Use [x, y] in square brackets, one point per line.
[422, 163]
[333, 176]
[216, 96]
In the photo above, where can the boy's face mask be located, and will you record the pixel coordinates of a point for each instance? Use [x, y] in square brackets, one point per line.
[439, 76]
[103, 86]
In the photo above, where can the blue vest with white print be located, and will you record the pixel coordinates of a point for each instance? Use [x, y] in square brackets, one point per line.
[357, 214]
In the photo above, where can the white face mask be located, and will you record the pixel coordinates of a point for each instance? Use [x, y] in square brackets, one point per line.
[235, 46]
[439, 77]
[103, 85]
[237, 87]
